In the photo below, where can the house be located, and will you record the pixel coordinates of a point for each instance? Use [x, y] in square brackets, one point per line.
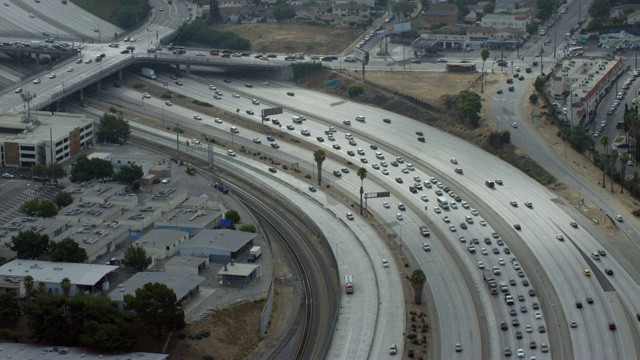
[622, 11]
[501, 21]
[634, 17]
[360, 11]
[442, 13]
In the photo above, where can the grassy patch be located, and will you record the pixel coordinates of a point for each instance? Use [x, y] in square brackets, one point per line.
[202, 103]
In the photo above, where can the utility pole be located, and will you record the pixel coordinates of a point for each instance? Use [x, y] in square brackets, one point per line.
[178, 143]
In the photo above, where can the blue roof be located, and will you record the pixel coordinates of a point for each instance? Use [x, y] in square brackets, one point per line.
[225, 223]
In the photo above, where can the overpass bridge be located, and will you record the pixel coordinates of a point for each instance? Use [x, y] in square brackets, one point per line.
[28, 95]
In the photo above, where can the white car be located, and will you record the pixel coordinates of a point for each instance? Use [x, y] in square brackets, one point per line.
[197, 117]
[69, 69]
[454, 161]
[195, 141]
[514, 125]
[501, 261]
[386, 205]
[481, 265]
[401, 207]
[255, 102]
[166, 180]
[235, 95]
[198, 53]
[52, 76]
[424, 198]
[385, 263]
[474, 212]
[217, 120]
[437, 210]
[446, 219]
[168, 103]
[520, 353]
[146, 95]
[482, 223]
[231, 153]
[399, 217]
[257, 140]
[7, 176]
[36, 81]
[538, 314]
[619, 218]
[349, 216]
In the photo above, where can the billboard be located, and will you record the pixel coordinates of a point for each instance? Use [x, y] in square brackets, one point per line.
[361, 55]
[397, 28]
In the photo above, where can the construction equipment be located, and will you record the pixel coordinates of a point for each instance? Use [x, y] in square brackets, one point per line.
[189, 169]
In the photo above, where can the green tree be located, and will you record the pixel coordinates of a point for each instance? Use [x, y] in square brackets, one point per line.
[624, 157]
[155, 305]
[545, 9]
[28, 284]
[484, 54]
[29, 244]
[533, 98]
[113, 129]
[539, 84]
[355, 90]
[604, 141]
[85, 169]
[319, 156]
[418, 279]
[63, 199]
[463, 8]
[614, 159]
[9, 307]
[250, 228]
[65, 284]
[283, 12]
[67, 250]
[47, 209]
[404, 7]
[233, 215]
[488, 8]
[136, 257]
[56, 171]
[362, 174]
[600, 9]
[40, 170]
[30, 207]
[470, 106]
[129, 174]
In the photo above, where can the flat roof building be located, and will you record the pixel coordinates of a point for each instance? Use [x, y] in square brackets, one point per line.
[167, 199]
[97, 239]
[186, 265]
[220, 245]
[90, 191]
[43, 137]
[44, 226]
[89, 278]
[140, 217]
[238, 274]
[191, 218]
[90, 212]
[162, 243]
[183, 285]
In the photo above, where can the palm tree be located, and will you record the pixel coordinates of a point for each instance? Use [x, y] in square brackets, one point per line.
[362, 174]
[28, 284]
[418, 279]
[614, 158]
[484, 54]
[65, 284]
[623, 168]
[604, 141]
[319, 156]
[42, 287]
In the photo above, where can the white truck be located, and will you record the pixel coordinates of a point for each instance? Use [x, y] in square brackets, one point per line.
[424, 231]
[254, 253]
[35, 44]
[149, 73]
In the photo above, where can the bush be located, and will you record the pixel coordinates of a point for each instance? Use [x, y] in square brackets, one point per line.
[355, 90]
[533, 98]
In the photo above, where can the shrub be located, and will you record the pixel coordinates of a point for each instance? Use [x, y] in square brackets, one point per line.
[355, 90]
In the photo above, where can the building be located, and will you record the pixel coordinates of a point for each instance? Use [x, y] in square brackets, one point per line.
[193, 220]
[97, 239]
[354, 10]
[185, 286]
[500, 21]
[90, 212]
[40, 137]
[186, 265]
[32, 351]
[442, 13]
[163, 243]
[167, 199]
[51, 227]
[89, 278]
[140, 217]
[220, 245]
[238, 274]
[94, 191]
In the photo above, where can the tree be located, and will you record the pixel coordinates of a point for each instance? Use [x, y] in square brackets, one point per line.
[113, 129]
[136, 257]
[28, 284]
[47, 209]
[533, 98]
[355, 90]
[362, 174]
[539, 84]
[155, 304]
[600, 9]
[65, 284]
[545, 9]
[67, 250]
[470, 106]
[614, 158]
[404, 7]
[129, 174]
[29, 244]
[30, 207]
[283, 12]
[233, 216]
[63, 199]
[250, 228]
[484, 54]
[604, 141]
[56, 171]
[489, 8]
[623, 168]
[319, 156]
[85, 169]
[9, 307]
[418, 279]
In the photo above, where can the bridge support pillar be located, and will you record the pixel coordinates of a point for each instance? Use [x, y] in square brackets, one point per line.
[81, 95]
[177, 67]
[188, 69]
[38, 59]
[58, 106]
[98, 85]
[120, 74]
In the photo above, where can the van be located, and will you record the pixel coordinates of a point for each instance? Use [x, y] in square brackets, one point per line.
[379, 155]
[595, 256]
[296, 119]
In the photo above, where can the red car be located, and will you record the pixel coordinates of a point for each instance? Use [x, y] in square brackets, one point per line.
[612, 326]
[533, 345]
[214, 52]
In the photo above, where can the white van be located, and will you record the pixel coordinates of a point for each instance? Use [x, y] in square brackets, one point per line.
[297, 119]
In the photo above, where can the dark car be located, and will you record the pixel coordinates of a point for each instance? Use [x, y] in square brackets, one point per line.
[421, 139]
[499, 91]
[518, 334]
[503, 325]
[579, 304]
[291, 93]
[608, 272]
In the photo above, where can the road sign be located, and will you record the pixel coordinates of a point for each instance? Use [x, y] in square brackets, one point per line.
[377, 195]
[272, 111]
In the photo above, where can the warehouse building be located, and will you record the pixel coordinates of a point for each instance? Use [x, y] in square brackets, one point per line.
[220, 245]
[185, 286]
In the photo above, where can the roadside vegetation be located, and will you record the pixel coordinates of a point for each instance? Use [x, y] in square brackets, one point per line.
[198, 31]
[124, 13]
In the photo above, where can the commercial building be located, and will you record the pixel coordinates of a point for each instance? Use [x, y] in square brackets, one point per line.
[162, 243]
[97, 239]
[40, 137]
[90, 212]
[238, 274]
[500, 21]
[140, 217]
[186, 265]
[94, 191]
[220, 245]
[89, 278]
[51, 227]
[185, 286]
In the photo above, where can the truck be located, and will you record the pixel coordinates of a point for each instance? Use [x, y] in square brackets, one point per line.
[503, 286]
[189, 169]
[348, 284]
[490, 184]
[35, 44]
[424, 231]
[149, 73]
[254, 253]
[490, 279]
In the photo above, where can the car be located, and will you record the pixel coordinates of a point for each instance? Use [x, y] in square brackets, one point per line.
[484, 251]
[496, 270]
[70, 69]
[257, 140]
[402, 207]
[521, 297]
[320, 139]
[399, 217]
[290, 127]
[248, 85]
[507, 250]
[458, 170]
[453, 161]
[501, 262]
[353, 142]
[446, 219]
[351, 153]
[231, 153]
[360, 118]
[424, 198]
[513, 203]
[499, 91]
[574, 224]
[533, 345]
[385, 172]
[602, 253]
[608, 271]
[468, 219]
[255, 101]
[249, 112]
[518, 334]
[514, 125]
[146, 95]
[7, 176]
[346, 122]
[462, 239]
[393, 350]
[344, 170]
[517, 226]
[336, 146]
[305, 132]
[578, 304]
[416, 61]
[442, 60]
[399, 180]
[586, 272]
[513, 312]
[619, 218]
[312, 189]
[589, 300]
[573, 323]
[385, 263]
[503, 325]
[515, 322]
[291, 93]
[538, 315]
[386, 120]
[612, 326]
[458, 347]
[474, 212]
[496, 250]
[523, 309]
[235, 95]
[349, 216]
[529, 329]
[88, 61]
[520, 353]
[272, 169]
[528, 204]
[37, 81]
[275, 145]
[525, 282]
[463, 225]
[386, 205]
[452, 228]
[337, 173]
[437, 210]
[197, 117]
[481, 265]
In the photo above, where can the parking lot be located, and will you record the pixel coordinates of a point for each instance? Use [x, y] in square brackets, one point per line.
[18, 190]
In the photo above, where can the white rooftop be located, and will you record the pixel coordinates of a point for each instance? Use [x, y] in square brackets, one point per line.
[180, 284]
[54, 272]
